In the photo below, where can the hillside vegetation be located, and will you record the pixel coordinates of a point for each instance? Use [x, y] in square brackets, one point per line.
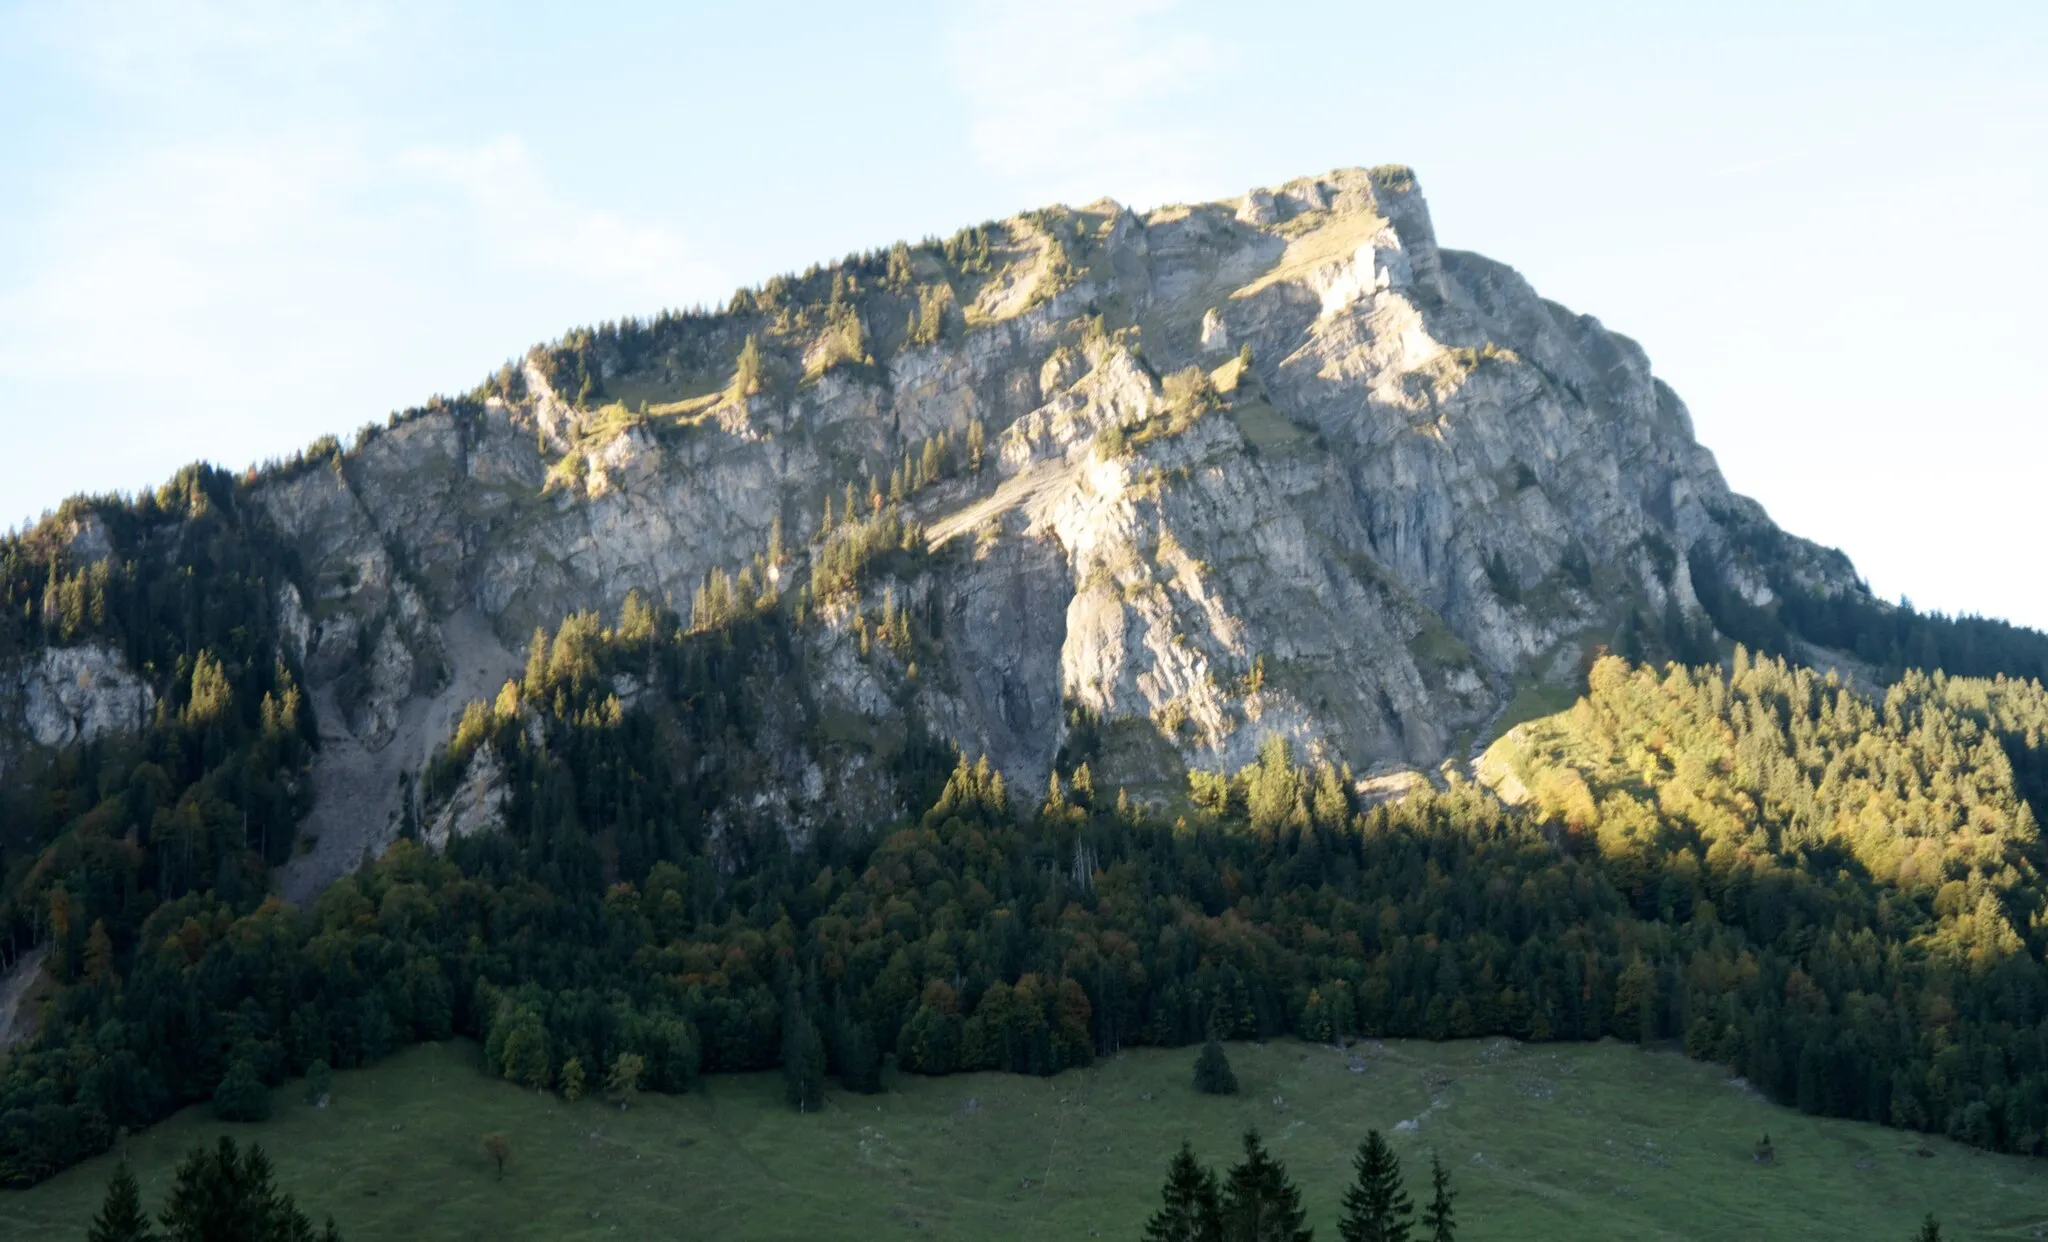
[1040, 583]
[1834, 898]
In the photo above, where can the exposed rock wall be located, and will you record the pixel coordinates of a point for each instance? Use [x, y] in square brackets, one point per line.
[79, 694]
[1428, 489]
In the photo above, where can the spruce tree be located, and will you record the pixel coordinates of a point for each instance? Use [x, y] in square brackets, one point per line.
[1437, 1216]
[319, 1081]
[1376, 1208]
[1930, 1230]
[227, 1196]
[1260, 1202]
[1213, 1075]
[1192, 1210]
[860, 1061]
[803, 1058]
[121, 1217]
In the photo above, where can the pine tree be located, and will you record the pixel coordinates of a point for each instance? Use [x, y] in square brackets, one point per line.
[1260, 1202]
[1192, 1210]
[319, 1081]
[747, 371]
[860, 1062]
[1930, 1230]
[1213, 1075]
[121, 1217]
[99, 953]
[228, 1196]
[1437, 1216]
[1376, 1208]
[803, 1057]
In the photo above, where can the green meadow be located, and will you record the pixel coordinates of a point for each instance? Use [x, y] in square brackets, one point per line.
[1544, 1141]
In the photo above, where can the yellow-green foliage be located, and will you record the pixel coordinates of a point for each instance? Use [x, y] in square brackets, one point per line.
[748, 372]
[1273, 794]
[844, 341]
[1187, 395]
[1746, 771]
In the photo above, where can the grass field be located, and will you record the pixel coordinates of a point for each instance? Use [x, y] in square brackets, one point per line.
[1546, 1142]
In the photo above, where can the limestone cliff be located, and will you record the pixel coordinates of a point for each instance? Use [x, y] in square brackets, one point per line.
[1278, 464]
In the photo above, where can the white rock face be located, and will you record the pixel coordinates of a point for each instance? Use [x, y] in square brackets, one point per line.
[1431, 486]
[81, 694]
[478, 804]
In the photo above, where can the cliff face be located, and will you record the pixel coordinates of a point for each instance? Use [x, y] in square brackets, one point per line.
[1424, 490]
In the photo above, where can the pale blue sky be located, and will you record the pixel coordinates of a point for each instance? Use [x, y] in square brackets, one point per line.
[227, 228]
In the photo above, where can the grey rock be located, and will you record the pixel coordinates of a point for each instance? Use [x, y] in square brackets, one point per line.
[81, 694]
[1376, 535]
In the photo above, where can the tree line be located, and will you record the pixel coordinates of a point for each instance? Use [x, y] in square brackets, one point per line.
[227, 1194]
[1256, 1200]
[1837, 898]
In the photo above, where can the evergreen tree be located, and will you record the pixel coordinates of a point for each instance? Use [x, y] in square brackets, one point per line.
[1192, 1211]
[1376, 1208]
[1930, 1230]
[803, 1061]
[1260, 1202]
[1213, 1075]
[860, 1062]
[226, 1195]
[319, 1081]
[1437, 1216]
[121, 1217]
[746, 379]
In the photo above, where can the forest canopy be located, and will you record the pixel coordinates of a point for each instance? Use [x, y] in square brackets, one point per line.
[1837, 898]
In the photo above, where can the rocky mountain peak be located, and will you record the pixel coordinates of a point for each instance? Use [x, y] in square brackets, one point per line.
[1184, 481]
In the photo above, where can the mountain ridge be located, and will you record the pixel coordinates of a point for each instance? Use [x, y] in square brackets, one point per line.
[1235, 528]
[1429, 489]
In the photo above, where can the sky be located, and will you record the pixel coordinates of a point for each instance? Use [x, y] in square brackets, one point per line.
[227, 227]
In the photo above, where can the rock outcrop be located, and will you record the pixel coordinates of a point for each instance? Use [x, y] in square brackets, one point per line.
[80, 694]
[1279, 464]
[1422, 488]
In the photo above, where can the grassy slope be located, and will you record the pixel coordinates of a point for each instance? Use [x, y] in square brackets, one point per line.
[1546, 1142]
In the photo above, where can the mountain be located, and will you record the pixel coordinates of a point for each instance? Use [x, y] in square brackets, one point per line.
[709, 668]
[1278, 464]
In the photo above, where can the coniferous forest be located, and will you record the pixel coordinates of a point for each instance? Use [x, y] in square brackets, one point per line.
[1837, 896]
